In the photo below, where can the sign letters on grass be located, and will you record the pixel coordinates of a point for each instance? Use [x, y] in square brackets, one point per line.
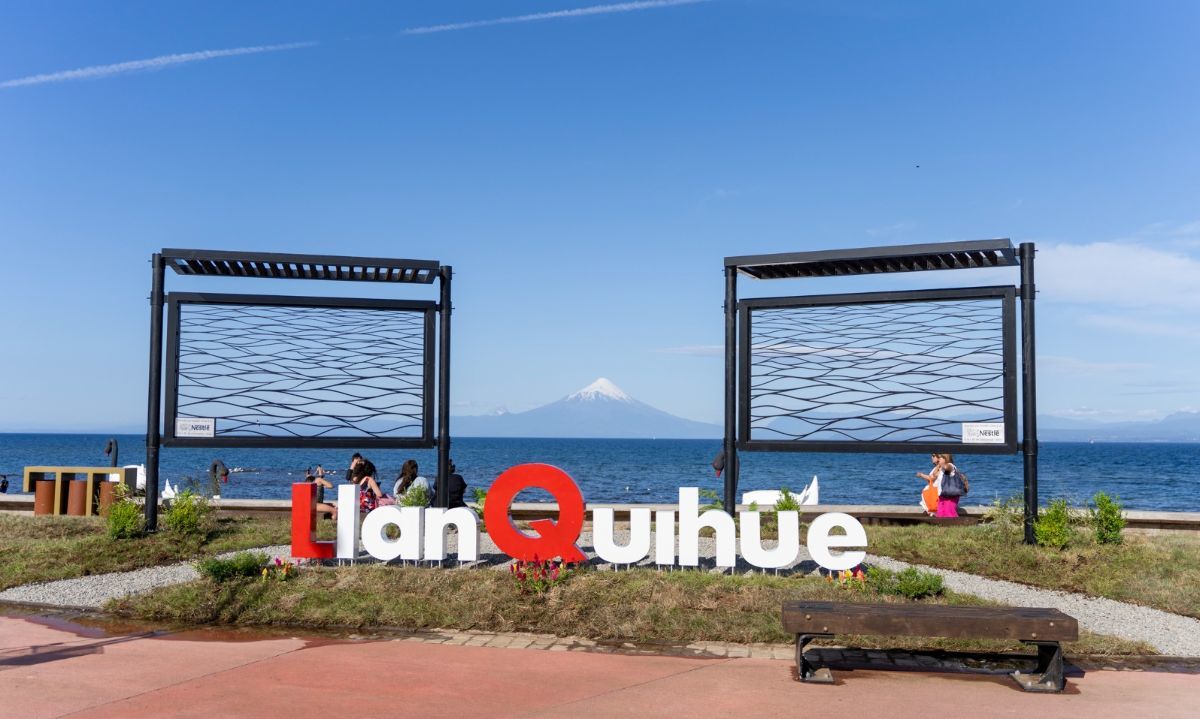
[420, 533]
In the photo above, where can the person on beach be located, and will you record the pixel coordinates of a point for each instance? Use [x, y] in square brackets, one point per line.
[929, 494]
[410, 478]
[952, 485]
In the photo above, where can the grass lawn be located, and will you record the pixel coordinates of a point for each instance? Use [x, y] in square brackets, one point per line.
[641, 605]
[39, 549]
[1161, 571]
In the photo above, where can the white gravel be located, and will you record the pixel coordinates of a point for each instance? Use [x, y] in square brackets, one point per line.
[93, 591]
[1170, 634]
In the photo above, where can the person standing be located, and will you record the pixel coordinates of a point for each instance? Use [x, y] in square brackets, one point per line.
[952, 485]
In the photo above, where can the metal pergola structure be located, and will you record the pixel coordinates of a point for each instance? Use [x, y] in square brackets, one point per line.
[997, 253]
[419, 318]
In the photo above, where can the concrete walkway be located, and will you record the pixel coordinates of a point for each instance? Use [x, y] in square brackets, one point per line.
[50, 668]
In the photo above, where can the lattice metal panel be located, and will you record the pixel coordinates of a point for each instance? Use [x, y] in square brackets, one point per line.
[871, 373]
[298, 372]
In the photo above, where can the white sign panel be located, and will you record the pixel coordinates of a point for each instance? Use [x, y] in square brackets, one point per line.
[983, 433]
[195, 427]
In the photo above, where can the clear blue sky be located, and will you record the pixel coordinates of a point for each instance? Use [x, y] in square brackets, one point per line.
[586, 173]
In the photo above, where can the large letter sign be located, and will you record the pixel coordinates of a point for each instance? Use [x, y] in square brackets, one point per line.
[423, 532]
[556, 539]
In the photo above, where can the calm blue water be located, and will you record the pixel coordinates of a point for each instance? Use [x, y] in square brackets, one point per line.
[1145, 476]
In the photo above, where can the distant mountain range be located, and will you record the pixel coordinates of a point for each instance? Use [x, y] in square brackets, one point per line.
[601, 409]
[1178, 427]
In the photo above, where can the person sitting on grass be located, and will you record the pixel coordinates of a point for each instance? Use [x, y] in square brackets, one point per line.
[370, 494]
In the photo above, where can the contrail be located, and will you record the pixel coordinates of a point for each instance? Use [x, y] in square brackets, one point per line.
[154, 63]
[555, 15]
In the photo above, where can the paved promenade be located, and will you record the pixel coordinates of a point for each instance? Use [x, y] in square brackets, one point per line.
[50, 668]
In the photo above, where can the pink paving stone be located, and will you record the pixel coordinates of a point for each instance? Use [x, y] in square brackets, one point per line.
[135, 676]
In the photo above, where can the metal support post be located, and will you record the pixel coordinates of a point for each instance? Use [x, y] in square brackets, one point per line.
[154, 398]
[1029, 444]
[442, 491]
[731, 399]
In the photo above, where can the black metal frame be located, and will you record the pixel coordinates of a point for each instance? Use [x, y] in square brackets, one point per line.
[1007, 297]
[222, 263]
[175, 299]
[880, 260]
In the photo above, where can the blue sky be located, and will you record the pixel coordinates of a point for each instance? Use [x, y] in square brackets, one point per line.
[585, 174]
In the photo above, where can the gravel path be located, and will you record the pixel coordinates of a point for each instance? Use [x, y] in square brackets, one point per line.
[93, 591]
[1170, 634]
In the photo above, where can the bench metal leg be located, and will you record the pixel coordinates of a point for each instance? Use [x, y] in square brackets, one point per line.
[807, 671]
[1048, 677]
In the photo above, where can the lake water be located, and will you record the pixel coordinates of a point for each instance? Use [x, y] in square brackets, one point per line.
[1144, 476]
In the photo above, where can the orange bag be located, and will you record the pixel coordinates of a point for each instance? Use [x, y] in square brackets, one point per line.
[929, 497]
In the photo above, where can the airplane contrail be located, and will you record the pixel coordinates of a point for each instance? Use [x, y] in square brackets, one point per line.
[163, 61]
[154, 63]
[553, 15]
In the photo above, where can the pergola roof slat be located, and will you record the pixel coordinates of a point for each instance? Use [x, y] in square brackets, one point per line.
[878, 260]
[221, 263]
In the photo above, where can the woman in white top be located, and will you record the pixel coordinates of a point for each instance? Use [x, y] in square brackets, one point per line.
[408, 480]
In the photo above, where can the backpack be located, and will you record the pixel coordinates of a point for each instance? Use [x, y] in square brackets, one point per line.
[953, 484]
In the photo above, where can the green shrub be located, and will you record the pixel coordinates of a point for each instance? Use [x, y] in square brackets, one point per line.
[787, 501]
[1106, 519]
[1053, 526]
[188, 514]
[480, 496]
[912, 583]
[125, 520]
[414, 497]
[242, 564]
[1007, 513]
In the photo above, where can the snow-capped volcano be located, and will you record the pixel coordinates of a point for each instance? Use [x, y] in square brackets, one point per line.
[602, 388]
[602, 409]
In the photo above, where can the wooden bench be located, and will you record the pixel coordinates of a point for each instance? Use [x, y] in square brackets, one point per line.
[1044, 628]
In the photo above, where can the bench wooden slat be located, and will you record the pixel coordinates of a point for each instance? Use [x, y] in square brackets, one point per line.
[929, 620]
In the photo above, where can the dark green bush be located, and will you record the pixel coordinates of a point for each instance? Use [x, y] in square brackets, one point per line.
[125, 520]
[188, 514]
[912, 583]
[242, 564]
[1106, 518]
[1053, 527]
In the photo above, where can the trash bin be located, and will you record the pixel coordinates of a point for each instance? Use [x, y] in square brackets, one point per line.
[43, 496]
[104, 496]
[77, 497]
